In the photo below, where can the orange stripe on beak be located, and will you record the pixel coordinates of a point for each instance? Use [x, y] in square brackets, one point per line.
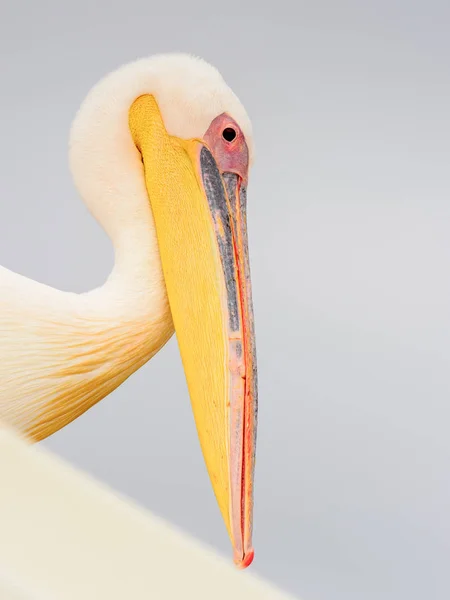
[228, 209]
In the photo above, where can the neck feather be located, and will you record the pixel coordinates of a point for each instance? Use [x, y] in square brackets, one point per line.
[62, 352]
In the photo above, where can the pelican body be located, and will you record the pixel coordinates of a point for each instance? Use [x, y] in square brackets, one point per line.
[160, 153]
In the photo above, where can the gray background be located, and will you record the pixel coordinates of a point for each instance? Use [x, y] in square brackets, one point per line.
[349, 226]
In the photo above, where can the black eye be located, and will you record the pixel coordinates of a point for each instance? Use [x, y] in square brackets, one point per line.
[228, 134]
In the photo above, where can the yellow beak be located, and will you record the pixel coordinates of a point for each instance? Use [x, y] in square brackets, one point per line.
[200, 223]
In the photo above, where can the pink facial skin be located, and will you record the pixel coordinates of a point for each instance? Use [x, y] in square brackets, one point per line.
[228, 146]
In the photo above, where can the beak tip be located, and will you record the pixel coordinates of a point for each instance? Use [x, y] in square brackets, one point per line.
[242, 562]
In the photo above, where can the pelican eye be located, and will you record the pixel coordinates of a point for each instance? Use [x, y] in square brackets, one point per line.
[229, 134]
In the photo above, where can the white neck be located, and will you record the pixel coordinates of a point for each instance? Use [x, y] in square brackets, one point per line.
[107, 167]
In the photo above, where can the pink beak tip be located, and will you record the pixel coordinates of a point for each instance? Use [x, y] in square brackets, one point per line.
[245, 561]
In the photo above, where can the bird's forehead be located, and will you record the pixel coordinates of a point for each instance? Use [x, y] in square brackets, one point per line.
[191, 94]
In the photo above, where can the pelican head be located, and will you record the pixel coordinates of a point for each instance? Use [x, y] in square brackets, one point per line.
[164, 145]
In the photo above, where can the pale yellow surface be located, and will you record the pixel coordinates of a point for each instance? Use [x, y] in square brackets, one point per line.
[65, 537]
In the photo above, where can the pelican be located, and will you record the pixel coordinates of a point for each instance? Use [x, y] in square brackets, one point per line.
[160, 153]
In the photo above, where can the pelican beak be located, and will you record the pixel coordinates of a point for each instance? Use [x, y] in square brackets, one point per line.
[200, 220]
